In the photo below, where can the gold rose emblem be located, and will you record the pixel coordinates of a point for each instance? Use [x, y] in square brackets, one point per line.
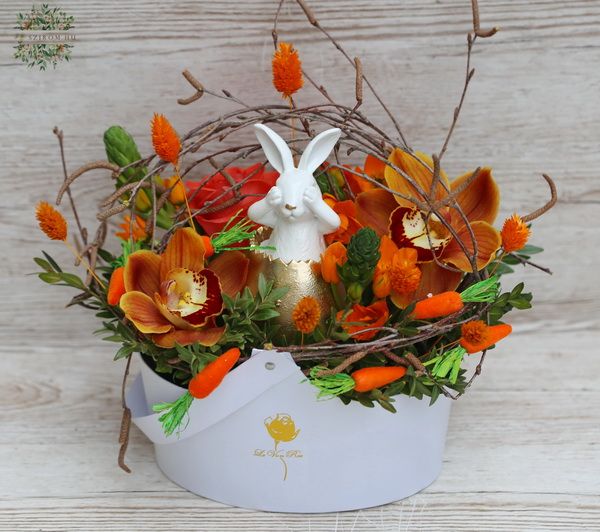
[282, 429]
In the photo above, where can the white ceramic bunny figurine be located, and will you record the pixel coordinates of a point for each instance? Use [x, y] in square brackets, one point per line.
[294, 207]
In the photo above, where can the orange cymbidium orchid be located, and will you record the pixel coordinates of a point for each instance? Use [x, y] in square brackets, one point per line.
[396, 274]
[173, 297]
[407, 226]
[349, 224]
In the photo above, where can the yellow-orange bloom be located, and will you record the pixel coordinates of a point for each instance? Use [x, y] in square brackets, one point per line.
[306, 314]
[287, 70]
[515, 234]
[177, 195]
[334, 256]
[135, 231]
[165, 139]
[51, 222]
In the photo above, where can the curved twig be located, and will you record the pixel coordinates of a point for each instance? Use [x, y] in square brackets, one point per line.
[553, 199]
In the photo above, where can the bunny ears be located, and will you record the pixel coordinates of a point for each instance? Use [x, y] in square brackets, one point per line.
[279, 155]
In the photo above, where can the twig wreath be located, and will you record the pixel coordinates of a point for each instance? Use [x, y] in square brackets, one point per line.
[406, 286]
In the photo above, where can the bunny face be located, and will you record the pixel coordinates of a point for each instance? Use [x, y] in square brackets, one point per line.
[294, 186]
[294, 207]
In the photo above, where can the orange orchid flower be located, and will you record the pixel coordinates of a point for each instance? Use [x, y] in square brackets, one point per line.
[334, 256]
[174, 297]
[361, 318]
[399, 217]
[349, 224]
[396, 274]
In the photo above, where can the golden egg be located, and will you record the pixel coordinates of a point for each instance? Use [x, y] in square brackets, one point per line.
[301, 278]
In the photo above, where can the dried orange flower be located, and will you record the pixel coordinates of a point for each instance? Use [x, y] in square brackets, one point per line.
[165, 139]
[475, 332]
[287, 70]
[51, 222]
[306, 314]
[135, 232]
[405, 276]
[477, 336]
[515, 233]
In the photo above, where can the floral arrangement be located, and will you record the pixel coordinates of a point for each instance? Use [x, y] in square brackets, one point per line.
[404, 289]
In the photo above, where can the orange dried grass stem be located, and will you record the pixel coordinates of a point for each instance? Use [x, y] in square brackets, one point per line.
[287, 70]
[54, 225]
[165, 139]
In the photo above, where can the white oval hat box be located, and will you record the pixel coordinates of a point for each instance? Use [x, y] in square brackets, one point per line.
[262, 440]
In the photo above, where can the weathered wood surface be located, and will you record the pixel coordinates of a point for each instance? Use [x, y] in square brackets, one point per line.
[523, 449]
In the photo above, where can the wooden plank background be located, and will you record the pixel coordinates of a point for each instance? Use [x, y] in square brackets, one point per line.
[523, 448]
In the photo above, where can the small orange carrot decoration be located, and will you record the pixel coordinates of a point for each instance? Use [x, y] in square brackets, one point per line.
[447, 303]
[116, 286]
[367, 379]
[209, 249]
[207, 380]
[438, 306]
[165, 139]
[202, 385]
[362, 380]
[478, 336]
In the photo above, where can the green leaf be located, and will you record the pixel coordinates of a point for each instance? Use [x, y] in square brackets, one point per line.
[530, 250]
[262, 286]
[50, 277]
[265, 314]
[45, 265]
[52, 262]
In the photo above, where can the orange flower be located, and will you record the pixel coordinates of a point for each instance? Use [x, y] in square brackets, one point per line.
[177, 195]
[333, 256]
[136, 232]
[374, 167]
[478, 336]
[396, 274]
[287, 70]
[409, 227]
[361, 318]
[165, 139]
[306, 314]
[349, 224]
[51, 222]
[174, 298]
[515, 234]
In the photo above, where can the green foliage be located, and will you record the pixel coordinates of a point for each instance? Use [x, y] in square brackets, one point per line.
[247, 316]
[331, 181]
[508, 301]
